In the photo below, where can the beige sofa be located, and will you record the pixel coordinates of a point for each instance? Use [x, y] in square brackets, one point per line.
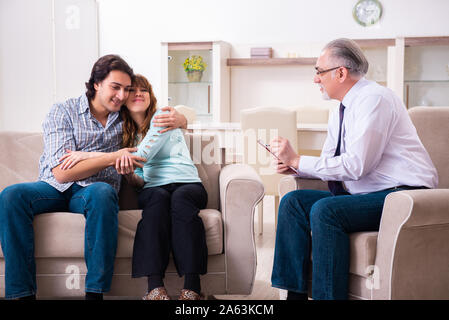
[409, 257]
[233, 193]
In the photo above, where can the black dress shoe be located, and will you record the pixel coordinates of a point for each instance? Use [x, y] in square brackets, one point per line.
[93, 296]
[292, 295]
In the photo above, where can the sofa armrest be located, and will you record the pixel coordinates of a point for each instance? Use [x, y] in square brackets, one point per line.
[291, 183]
[412, 254]
[241, 189]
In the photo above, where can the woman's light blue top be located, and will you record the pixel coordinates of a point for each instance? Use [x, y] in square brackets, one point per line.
[168, 158]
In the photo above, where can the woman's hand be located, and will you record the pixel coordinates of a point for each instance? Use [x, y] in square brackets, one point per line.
[126, 153]
[73, 157]
[124, 165]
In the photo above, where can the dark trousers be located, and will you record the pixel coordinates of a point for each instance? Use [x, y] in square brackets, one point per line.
[170, 221]
[318, 221]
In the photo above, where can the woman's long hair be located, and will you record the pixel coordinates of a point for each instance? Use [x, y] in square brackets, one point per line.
[130, 127]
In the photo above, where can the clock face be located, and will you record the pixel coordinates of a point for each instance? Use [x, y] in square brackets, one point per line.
[367, 12]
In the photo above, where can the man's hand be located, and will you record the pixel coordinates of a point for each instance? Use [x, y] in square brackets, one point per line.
[89, 167]
[282, 148]
[71, 158]
[172, 120]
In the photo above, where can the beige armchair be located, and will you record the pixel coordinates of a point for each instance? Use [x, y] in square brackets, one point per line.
[233, 193]
[266, 124]
[409, 257]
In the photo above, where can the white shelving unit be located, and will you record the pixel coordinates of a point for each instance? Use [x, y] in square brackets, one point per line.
[418, 70]
[210, 97]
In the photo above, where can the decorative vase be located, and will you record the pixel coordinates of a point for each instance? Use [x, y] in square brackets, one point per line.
[195, 75]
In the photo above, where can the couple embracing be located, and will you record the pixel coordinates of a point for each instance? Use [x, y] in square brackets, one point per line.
[90, 142]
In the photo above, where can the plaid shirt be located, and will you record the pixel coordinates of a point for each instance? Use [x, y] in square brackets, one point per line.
[71, 125]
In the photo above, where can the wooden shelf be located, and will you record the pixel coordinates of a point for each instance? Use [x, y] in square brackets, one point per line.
[272, 62]
[374, 43]
[409, 42]
[426, 41]
[364, 43]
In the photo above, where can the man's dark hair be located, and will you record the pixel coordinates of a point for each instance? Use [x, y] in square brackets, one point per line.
[101, 69]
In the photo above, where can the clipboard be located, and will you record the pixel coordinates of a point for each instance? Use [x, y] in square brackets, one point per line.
[267, 147]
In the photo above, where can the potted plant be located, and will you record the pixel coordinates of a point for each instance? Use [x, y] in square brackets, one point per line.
[194, 67]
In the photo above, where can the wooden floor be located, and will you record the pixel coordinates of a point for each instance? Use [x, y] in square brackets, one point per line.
[262, 289]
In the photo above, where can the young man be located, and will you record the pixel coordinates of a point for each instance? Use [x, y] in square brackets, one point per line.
[372, 149]
[88, 123]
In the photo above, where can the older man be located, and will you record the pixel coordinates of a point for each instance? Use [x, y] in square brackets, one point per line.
[372, 149]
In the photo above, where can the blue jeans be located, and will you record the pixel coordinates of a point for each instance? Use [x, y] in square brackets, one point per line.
[317, 221]
[19, 204]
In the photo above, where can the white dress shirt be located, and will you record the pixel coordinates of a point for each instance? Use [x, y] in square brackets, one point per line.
[380, 147]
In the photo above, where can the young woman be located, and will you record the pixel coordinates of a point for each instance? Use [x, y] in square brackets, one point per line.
[171, 196]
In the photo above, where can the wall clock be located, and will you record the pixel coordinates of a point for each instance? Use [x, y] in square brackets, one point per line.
[367, 12]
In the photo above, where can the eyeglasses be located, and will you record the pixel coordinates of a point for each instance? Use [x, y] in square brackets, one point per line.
[318, 72]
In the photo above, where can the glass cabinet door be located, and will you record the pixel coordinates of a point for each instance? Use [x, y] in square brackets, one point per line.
[426, 75]
[194, 92]
[207, 93]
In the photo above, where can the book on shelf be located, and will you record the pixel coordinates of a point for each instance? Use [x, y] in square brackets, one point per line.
[264, 52]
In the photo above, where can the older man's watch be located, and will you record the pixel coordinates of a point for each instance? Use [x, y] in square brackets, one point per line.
[367, 12]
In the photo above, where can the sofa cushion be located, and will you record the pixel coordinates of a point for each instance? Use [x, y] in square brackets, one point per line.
[362, 250]
[128, 220]
[22, 165]
[61, 234]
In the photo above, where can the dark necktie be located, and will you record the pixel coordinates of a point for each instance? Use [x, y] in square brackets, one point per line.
[336, 187]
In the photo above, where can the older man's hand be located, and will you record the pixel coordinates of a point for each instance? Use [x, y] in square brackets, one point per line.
[282, 148]
[281, 168]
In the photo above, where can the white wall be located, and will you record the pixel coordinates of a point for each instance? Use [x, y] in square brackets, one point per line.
[19, 54]
[47, 48]
[135, 28]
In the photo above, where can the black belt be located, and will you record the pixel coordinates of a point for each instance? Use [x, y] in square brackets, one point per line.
[406, 188]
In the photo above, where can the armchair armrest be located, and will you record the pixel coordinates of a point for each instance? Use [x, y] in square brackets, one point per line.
[241, 189]
[291, 183]
[412, 255]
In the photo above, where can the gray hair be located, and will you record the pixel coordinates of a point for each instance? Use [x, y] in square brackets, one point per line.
[347, 53]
